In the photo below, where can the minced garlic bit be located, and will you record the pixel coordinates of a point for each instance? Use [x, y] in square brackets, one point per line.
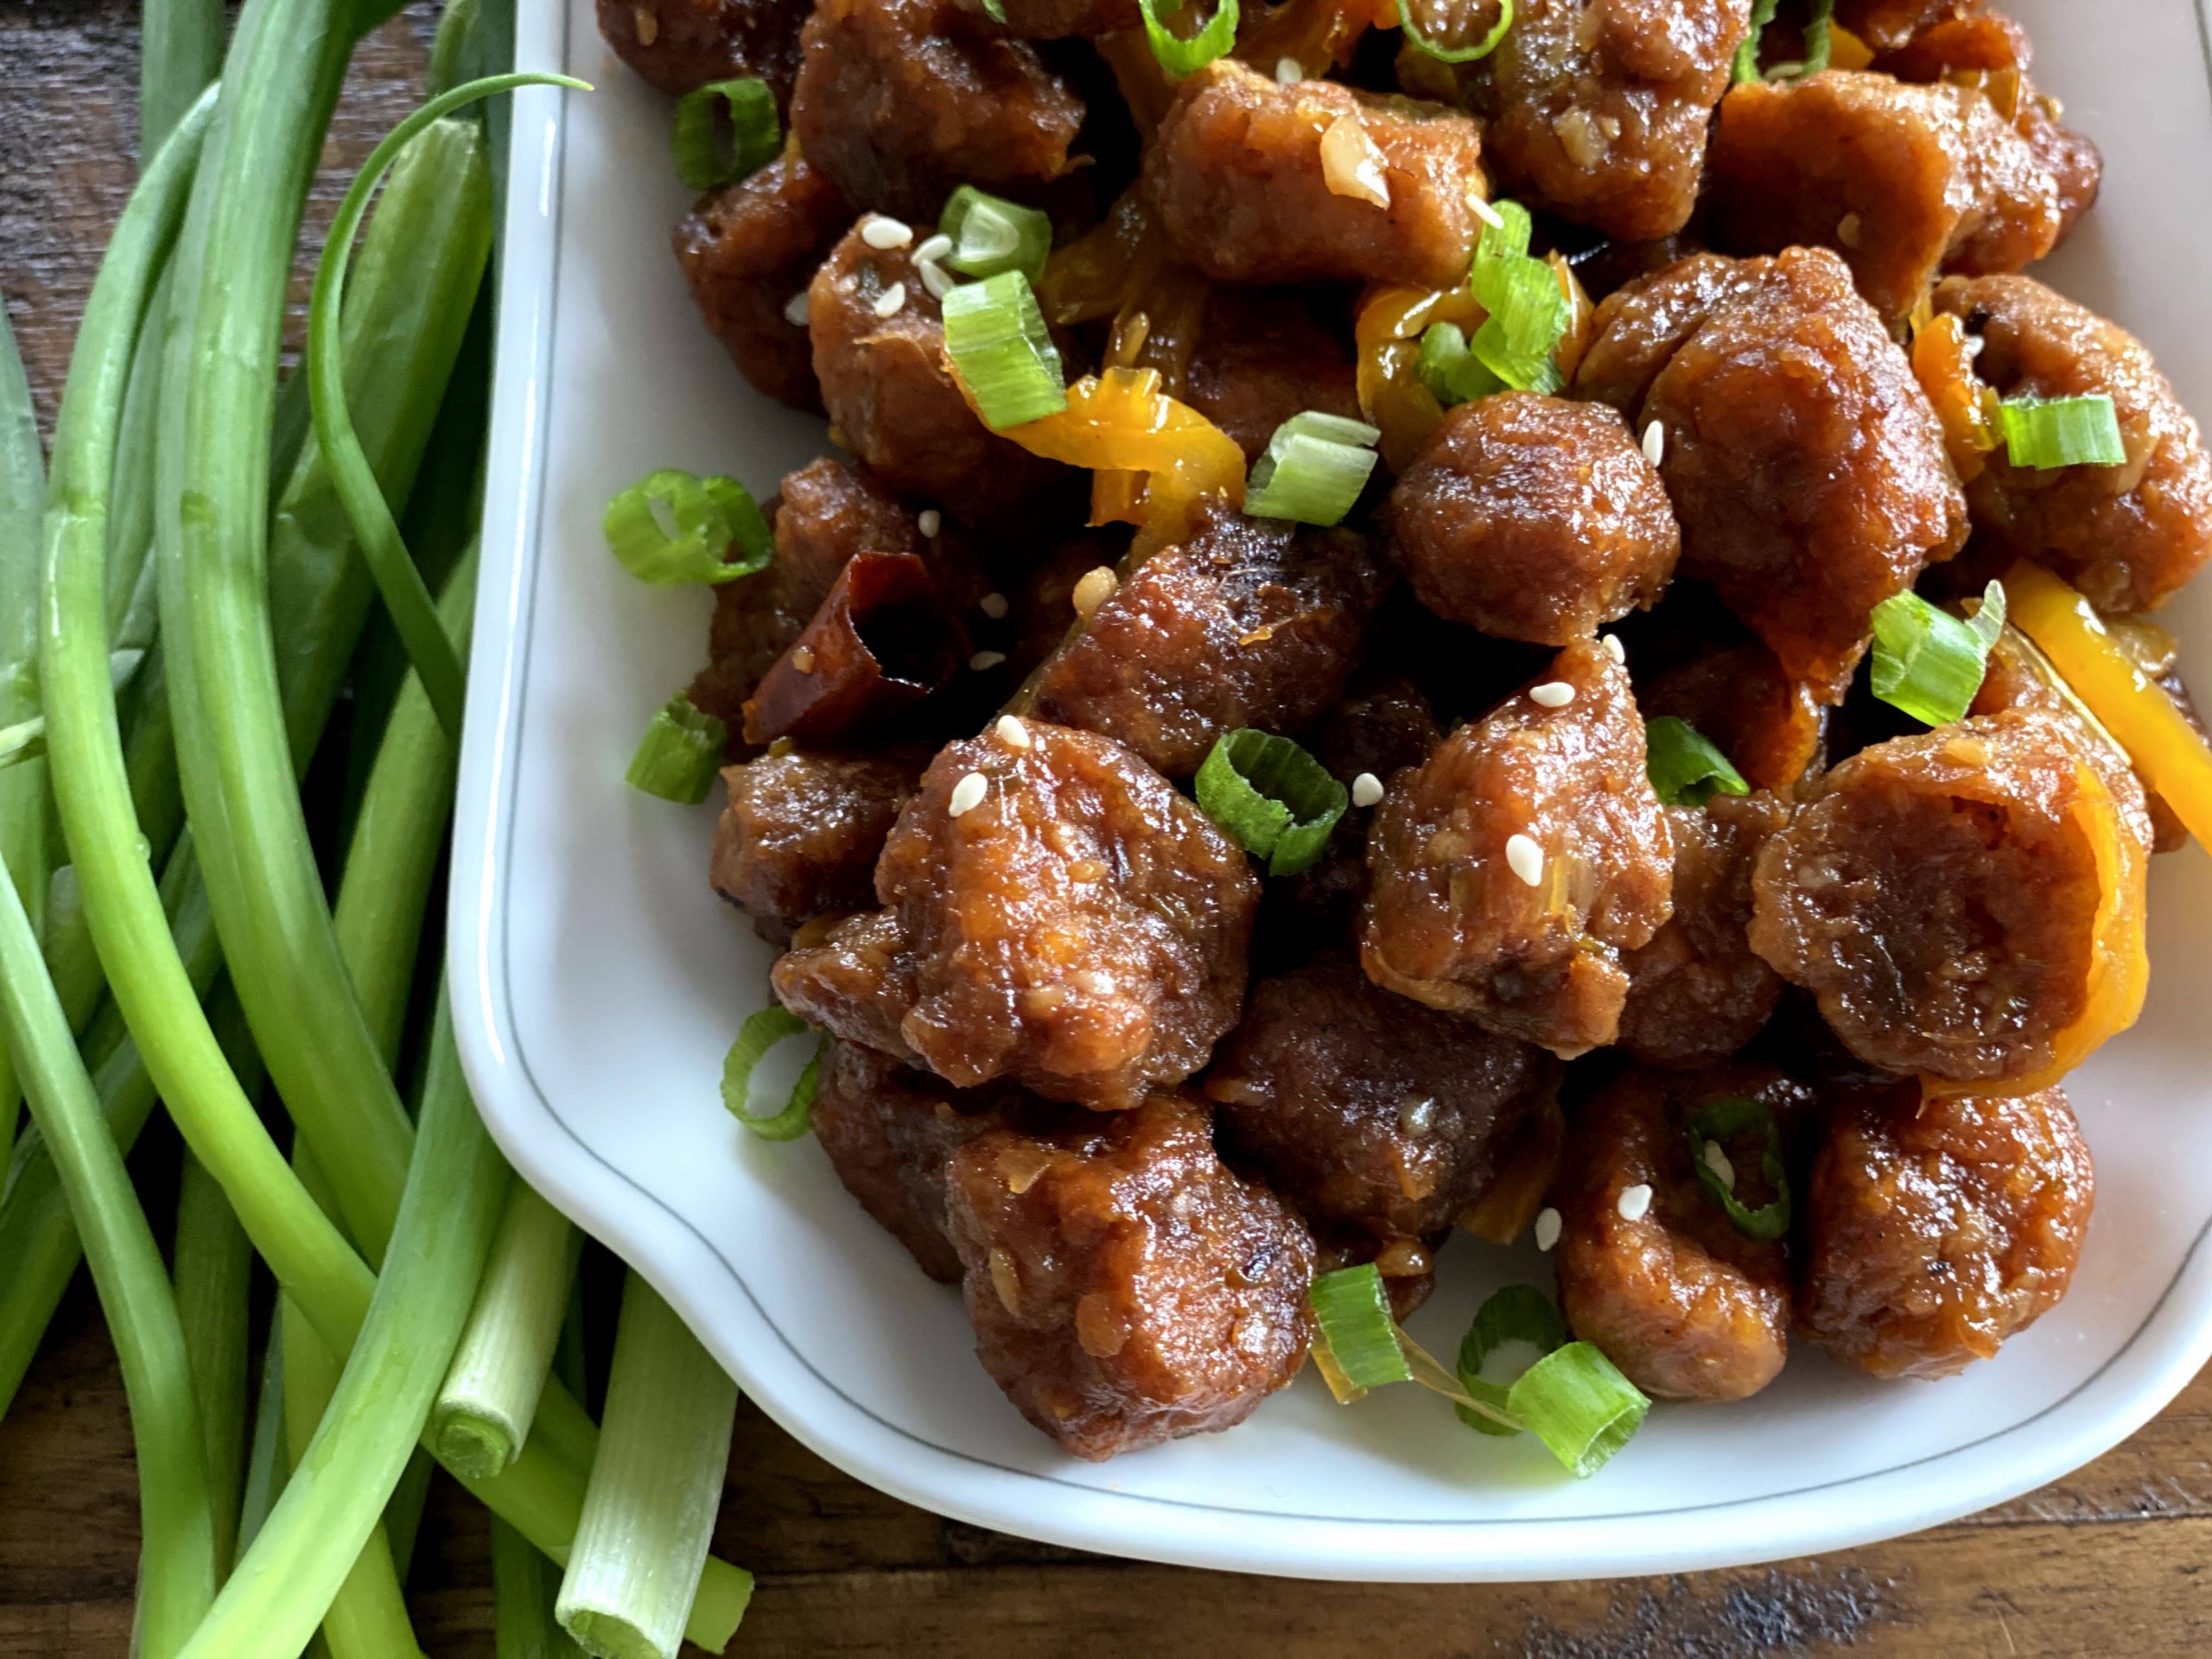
[1614, 649]
[1484, 211]
[1096, 587]
[967, 795]
[1366, 789]
[1655, 443]
[1013, 732]
[1716, 1159]
[934, 249]
[891, 300]
[991, 605]
[882, 232]
[1525, 859]
[983, 659]
[795, 309]
[1552, 693]
[1351, 164]
[1636, 1201]
[929, 521]
[803, 659]
[1547, 1224]
[1289, 70]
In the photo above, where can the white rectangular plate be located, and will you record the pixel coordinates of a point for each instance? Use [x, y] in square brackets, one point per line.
[597, 984]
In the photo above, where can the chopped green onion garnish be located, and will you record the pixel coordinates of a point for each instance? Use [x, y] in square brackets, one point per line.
[1529, 316]
[1181, 57]
[701, 161]
[1685, 768]
[1746, 66]
[997, 340]
[1820, 41]
[1481, 49]
[1277, 799]
[1711, 1124]
[1927, 662]
[991, 234]
[2063, 432]
[761, 1032]
[1576, 1401]
[679, 754]
[671, 527]
[1518, 1314]
[1509, 238]
[1353, 1327]
[1315, 467]
[1452, 372]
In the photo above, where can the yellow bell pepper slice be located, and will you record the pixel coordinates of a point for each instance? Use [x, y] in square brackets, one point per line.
[1121, 420]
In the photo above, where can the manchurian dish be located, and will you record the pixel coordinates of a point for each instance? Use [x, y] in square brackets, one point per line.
[1452, 620]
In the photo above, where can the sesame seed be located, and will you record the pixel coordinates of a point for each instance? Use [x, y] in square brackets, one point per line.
[795, 309]
[1655, 443]
[933, 248]
[1552, 693]
[929, 521]
[1848, 229]
[1484, 211]
[967, 795]
[1614, 649]
[1289, 70]
[888, 302]
[1525, 859]
[1636, 1201]
[881, 231]
[1366, 789]
[1716, 1159]
[803, 659]
[983, 659]
[934, 278]
[1013, 732]
[993, 606]
[1547, 1226]
[1096, 587]
[648, 24]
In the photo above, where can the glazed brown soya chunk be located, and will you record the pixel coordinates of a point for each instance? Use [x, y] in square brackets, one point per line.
[1698, 992]
[1935, 1229]
[1263, 357]
[1768, 726]
[892, 397]
[1886, 25]
[2126, 536]
[1079, 926]
[747, 250]
[1939, 895]
[1531, 517]
[888, 1130]
[801, 833]
[1901, 180]
[1125, 1287]
[1246, 622]
[1054, 19]
[1685, 1304]
[1597, 113]
[899, 102]
[1369, 1110]
[1452, 922]
[679, 46]
[1804, 463]
[1236, 180]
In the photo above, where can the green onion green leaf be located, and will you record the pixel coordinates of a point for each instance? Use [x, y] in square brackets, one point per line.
[1509, 238]
[672, 527]
[999, 344]
[1711, 1125]
[1452, 372]
[1576, 1401]
[1315, 467]
[679, 754]
[1277, 800]
[1685, 767]
[1181, 57]
[1355, 1340]
[756, 132]
[2062, 432]
[1746, 66]
[1927, 662]
[1481, 49]
[1517, 1313]
[761, 1032]
[991, 234]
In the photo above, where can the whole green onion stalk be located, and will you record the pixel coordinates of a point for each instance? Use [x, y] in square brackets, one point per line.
[23, 787]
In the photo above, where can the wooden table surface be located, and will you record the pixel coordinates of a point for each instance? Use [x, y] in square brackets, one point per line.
[2110, 1560]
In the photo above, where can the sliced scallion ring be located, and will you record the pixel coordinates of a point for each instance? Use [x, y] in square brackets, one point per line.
[1685, 767]
[670, 528]
[1820, 43]
[1314, 468]
[679, 754]
[757, 134]
[1746, 66]
[991, 234]
[1509, 238]
[1518, 1314]
[2062, 432]
[1528, 317]
[1442, 54]
[1278, 801]
[1714, 1122]
[1181, 57]
[1353, 1329]
[1000, 346]
[1927, 662]
[1577, 1403]
[1452, 372]
[761, 1032]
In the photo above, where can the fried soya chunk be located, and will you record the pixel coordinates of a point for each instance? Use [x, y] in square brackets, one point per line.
[899, 102]
[1055, 914]
[802, 831]
[1650, 1267]
[1805, 464]
[1252, 181]
[1264, 357]
[1058, 20]
[888, 1130]
[1643, 323]
[1125, 1289]
[1902, 181]
[747, 250]
[1511, 871]
[1531, 517]
[1245, 622]
[2126, 536]
[892, 397]
[1698, 992]
[1934, 1228]
[1939, 894]
[1597, 113]
[1770, 727]
[679, 46]
[1369, 1110]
